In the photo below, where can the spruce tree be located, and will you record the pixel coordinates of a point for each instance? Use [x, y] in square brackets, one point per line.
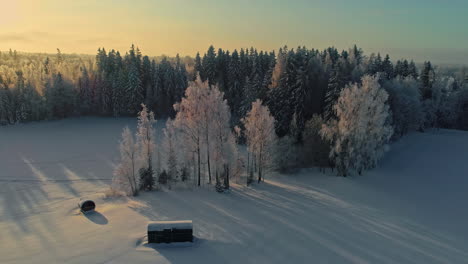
[427, 80]
[198, 68]
[387, 68]
[209, 65]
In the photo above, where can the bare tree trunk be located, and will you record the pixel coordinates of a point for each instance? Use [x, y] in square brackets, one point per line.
[208, 160]
[193, 166]
[226, 182]
[260, 167]
[199, 165]
[207, 150]
[135, 188]
[255, 163]
[248, 163]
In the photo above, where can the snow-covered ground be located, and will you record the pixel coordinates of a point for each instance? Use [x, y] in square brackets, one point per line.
[412, 209]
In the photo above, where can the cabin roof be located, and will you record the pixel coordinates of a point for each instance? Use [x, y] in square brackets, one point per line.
[161, 225]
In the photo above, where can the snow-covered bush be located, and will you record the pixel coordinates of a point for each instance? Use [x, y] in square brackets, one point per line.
[286, 154]
[361, 130]
[163, 177]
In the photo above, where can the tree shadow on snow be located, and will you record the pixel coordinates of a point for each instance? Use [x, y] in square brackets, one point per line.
[96, 218]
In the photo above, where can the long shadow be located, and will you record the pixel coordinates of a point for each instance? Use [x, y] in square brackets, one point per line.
[343, 230]
[200, 251]
[97, 218]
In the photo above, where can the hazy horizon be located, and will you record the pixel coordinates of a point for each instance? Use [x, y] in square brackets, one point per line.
[418, 30]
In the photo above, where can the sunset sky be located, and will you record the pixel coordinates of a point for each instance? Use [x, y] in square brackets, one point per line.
[420, 29]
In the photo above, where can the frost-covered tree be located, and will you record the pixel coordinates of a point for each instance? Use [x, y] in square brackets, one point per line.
[361, 129]
[443, 108]
[125, 178]
[189, 120]
[145, 138]
[224, 145]
[261, 138]
[203, 121]
[405, 103]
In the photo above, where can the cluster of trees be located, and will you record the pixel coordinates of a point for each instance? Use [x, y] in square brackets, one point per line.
[122, 83]
[335, 109]
[34, 86]
[199, 138]
[135, 171]
[328, 108]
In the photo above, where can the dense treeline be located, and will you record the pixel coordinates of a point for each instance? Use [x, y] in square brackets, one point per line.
[38, 87]
[295, 83]
[307, 92]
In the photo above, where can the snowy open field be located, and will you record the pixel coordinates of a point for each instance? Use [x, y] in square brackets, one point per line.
[412, 209]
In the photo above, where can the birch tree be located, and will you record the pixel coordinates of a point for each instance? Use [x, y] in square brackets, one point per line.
[189, 120]
[224, 145]
[203, 120]
[260, 134]
[124, 175]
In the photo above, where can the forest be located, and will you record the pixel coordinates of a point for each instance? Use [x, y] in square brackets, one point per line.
[323, 108]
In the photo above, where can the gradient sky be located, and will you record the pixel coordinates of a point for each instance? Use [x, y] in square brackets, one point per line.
[434, 30]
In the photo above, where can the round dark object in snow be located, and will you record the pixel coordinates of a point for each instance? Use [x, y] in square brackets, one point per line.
[86, 206]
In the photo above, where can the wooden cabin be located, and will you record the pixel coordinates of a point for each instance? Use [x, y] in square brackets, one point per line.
[170, 231]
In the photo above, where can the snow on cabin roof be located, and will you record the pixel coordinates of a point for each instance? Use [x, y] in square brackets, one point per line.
[161, 225]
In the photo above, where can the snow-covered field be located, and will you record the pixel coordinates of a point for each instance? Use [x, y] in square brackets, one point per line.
[412, 209]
